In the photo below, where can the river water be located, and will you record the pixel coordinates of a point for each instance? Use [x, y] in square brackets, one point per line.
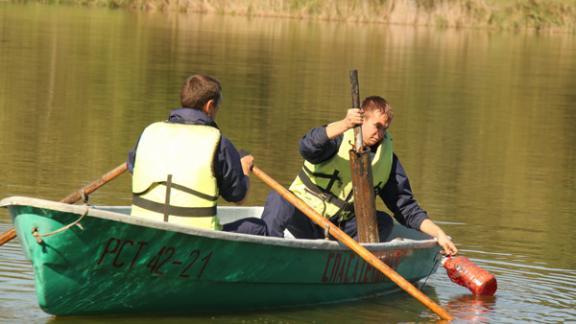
[485, 125]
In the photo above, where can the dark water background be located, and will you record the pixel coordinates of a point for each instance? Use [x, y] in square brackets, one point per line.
[484, 125]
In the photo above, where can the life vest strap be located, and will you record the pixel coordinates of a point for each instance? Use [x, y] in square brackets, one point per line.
[167, 197]
[333, 177]
[178, 187]
[173, 210]
[323, 193]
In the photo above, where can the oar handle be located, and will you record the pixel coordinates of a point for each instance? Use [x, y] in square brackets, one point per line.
[352, 244]
[76, 195]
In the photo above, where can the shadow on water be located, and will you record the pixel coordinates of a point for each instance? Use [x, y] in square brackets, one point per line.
[393, 308]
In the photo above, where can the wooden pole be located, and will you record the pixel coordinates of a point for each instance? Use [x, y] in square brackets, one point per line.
[353, 245]
[76, 195]
[363, 187]
[355, 86]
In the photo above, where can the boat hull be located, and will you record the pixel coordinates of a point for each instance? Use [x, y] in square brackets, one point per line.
[112, 263]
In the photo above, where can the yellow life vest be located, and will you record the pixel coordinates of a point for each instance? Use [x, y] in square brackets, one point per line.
[173, 178]
[327, 186]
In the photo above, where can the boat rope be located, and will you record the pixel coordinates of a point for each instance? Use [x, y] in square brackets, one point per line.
[39, 236]
[437, 258]
[84, 197]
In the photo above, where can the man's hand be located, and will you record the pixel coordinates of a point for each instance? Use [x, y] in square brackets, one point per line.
[446, 243]
[247, 164]
[444, 240]
[354, 117]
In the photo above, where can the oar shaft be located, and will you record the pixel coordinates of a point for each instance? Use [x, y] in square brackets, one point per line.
[95, 185]
[7, 236]
[76, 195]
[352, 244]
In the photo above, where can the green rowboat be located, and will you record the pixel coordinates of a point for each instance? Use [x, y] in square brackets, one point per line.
[100, 260]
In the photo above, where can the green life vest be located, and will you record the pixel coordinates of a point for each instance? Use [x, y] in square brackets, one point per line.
[173, 178]
[327, 186]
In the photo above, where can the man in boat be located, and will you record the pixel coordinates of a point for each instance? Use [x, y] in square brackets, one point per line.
[181, 166]
[325, 181]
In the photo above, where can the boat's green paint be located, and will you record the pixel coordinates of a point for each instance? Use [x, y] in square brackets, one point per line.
[115, 263]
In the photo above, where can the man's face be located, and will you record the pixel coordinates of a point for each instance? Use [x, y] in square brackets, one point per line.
[374, 127]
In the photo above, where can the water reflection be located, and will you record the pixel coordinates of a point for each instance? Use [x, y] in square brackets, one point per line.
[470, 308]
[484, 127]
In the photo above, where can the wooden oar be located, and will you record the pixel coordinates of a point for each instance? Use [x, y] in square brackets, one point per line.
[352, 244]
[76, 195]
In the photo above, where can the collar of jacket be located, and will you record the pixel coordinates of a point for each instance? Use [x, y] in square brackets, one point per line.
[191, 116]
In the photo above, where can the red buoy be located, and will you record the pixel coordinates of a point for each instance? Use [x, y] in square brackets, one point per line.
[467, 274]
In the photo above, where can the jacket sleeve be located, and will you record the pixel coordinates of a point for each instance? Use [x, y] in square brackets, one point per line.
[132, 156]
[131, 159]
[316, 147]
[398, 197]
[232, 183]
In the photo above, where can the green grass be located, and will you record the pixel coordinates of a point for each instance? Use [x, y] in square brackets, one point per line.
[501, 14]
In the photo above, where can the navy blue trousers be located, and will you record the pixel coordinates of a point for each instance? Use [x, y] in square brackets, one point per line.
[252, 226]
[279, 215]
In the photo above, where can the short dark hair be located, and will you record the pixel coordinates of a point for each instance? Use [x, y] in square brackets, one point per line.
[198, 90]
[377, 103]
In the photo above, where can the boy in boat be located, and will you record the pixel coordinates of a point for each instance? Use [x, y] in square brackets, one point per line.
[181, 166]
[325, 181]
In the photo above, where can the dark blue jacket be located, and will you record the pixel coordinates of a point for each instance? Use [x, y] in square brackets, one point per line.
[316, 147]
[232, 183]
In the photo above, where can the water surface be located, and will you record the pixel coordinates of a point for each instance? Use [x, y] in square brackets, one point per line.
[484, 125]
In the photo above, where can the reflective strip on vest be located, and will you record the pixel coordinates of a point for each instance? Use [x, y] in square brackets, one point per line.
[327, 186]
[173, 176]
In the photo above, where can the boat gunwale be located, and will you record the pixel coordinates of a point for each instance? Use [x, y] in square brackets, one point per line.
[310, 244]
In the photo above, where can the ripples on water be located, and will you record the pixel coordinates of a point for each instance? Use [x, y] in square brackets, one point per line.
[526, 292]
[17, 297]
[484, 127]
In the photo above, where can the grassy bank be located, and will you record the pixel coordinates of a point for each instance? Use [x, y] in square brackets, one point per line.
[503, 14]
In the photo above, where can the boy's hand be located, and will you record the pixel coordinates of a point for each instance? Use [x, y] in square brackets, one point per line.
[247, 164]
